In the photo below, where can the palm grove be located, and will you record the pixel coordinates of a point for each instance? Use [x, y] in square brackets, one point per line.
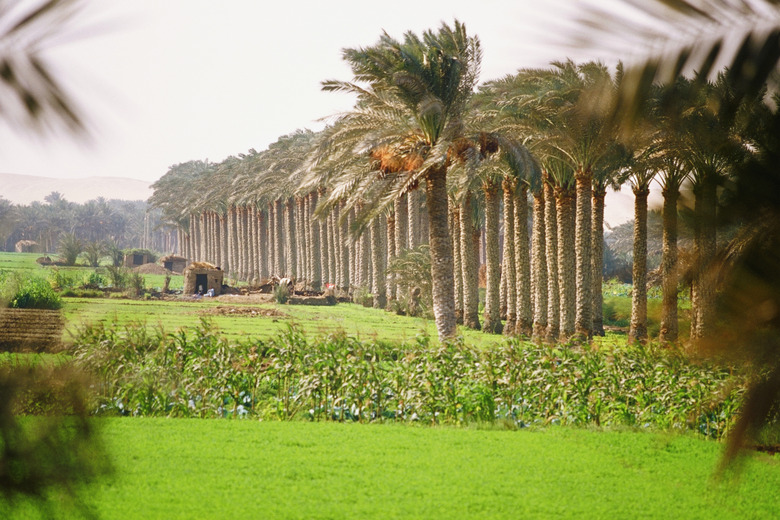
[428, 163]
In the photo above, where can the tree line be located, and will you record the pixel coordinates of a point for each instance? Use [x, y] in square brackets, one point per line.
[55, 221]
[427, 156]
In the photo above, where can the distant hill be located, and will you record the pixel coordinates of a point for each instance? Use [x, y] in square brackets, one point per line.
[24, 189]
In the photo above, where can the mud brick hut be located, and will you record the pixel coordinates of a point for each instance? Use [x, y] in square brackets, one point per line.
[27, 246]
[202, 276]
[136, 258]
[173, 263]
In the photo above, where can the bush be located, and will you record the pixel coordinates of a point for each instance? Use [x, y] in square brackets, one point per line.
[119, 277]
[137, 283]
[93, 252]
[62, 280]
[35, 293]
[93, 281]
[70, 248]
[281, 293]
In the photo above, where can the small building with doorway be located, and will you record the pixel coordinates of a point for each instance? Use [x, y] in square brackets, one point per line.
[173, 263]
[200, 277]
[136, 257]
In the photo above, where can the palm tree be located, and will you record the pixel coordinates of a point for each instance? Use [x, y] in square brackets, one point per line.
[412, 95]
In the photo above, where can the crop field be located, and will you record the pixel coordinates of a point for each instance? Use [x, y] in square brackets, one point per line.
[179, 468]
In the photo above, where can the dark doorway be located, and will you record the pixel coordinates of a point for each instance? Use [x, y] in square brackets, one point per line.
[201, 283]
[168, 265]
[138, 259]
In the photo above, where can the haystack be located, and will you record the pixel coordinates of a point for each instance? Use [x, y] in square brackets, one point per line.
[27, 246]
[202, 276]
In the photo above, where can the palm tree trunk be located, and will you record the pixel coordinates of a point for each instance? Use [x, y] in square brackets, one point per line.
[262, 231]
[300, 239]
[565, 202]
[492, 316]
[401, 223]
[669, 325]
[469, 248]
[597, 260]
[354, 265]
[524, 310]
[279, 238]
[414, 218]
[583, 322]
[344, 248]
[457, 261]
[638, 329]
[510, 269]
[323, 249]
[391, 253]
[273, 269]
[539, 266]
[333, 247]
[315, 249]
[378, 285]
[441, 254]
[706, 214]
[245, 244]
[553, 290]
[291, 251]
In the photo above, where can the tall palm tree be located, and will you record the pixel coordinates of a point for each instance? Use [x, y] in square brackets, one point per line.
[412, 99]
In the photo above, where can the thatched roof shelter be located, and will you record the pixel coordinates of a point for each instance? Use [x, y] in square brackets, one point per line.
[27, 246]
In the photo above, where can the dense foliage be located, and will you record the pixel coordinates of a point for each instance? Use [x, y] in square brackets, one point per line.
[122, 223]
[145, 371]
[34, 293]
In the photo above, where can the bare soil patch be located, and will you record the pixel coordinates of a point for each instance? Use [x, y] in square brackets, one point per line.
[251, 312]
[30, 330]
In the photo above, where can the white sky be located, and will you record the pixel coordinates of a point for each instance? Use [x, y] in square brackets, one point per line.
[167, 81]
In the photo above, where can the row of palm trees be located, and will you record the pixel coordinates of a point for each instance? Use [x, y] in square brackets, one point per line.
[426, 156]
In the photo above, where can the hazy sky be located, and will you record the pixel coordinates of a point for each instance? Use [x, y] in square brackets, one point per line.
[167, 81]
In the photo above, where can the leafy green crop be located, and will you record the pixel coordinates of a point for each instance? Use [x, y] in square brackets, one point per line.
[197, 372]
[35, 293]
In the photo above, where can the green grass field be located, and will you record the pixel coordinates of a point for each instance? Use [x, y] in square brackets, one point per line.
[178, 468]
[168, 468]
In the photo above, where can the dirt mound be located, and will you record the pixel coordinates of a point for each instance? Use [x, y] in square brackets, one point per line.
[151, 269]
[252, 312]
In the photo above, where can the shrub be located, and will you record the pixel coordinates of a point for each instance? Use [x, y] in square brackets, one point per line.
[137, 283]
[412, 271]
[62, 280]
[281, 293]
[93, 252]
[93, 281]
[35, 293]
[119, 277]
[70, 248]
[115, 252]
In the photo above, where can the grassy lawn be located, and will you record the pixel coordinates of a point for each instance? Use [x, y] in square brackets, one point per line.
[352, 319]
[167, 468]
